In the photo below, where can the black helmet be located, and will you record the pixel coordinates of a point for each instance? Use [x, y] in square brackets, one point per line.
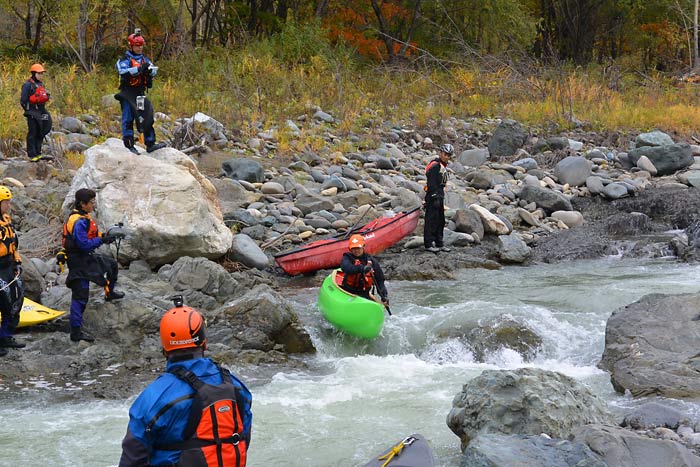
[448, 149]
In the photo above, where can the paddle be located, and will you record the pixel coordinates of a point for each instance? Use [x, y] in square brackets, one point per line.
[354, 226]
[388, 310]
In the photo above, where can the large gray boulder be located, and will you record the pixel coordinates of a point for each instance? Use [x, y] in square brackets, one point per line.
[493, 450]
[667, 159]
[544, 198]
[261, 319]
[243, 169]
[651, 346]
[573, 170]
[652, 415]
[473, 157]
[623, 448]
[245, 250]
[653, 138]
[512, 249]
[202, 275]
[524, 401]
[468, 221]
[232, 195]
[168, 206]
[507, 139]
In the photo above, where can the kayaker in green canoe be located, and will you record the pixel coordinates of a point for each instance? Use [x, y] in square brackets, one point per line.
[362, 272]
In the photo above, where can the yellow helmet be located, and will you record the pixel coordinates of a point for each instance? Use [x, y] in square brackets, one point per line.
[5, 193]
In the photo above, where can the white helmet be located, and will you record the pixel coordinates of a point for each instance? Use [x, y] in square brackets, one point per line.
[448, 149]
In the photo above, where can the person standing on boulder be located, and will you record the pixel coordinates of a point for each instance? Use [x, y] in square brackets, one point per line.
[362, 271]
[136, 73]
[33, 100]
[12, 292]
[436, 175]
[81, 238]
[194, 411]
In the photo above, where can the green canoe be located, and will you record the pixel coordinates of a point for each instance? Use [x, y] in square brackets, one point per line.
[349, 313]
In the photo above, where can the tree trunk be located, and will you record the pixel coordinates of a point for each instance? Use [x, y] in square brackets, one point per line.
[193, 29]
[37, 30]
[695, 63]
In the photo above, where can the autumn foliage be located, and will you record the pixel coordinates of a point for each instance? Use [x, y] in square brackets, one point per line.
[356, 26]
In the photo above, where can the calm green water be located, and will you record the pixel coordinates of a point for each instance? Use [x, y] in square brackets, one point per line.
[357, 397]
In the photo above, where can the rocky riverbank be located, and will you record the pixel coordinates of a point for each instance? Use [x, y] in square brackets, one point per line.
[206, 219]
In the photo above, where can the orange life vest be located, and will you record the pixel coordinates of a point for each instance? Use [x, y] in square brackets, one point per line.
[360, 280]
[139, 80]
[8, 240]
[213, 432]
[67, 242]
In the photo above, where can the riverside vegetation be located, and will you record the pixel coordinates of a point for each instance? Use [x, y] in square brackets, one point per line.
[263, 83]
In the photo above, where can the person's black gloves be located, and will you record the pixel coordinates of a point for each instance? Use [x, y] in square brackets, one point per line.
[143, 69]
[367, 268]
[107, 239]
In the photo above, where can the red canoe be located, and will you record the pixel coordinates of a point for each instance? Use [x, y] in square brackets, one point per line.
[379, 235]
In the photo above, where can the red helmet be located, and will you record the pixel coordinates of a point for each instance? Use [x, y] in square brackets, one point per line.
[182, 327]
[356, 241]
[135, 39]
[37, 68]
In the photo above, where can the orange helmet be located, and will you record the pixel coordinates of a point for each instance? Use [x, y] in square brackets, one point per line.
[356, 241]
[135, 39]
[182, 327]
[36, 68]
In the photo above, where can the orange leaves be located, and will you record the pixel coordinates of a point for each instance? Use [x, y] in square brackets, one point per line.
[358, 26]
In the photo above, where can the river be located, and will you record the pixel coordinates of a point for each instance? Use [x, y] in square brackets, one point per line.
[356, 398]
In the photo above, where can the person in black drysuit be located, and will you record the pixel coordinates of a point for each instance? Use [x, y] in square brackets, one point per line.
[33, 100]
[362, 271]
[436, 175]
[81, 238]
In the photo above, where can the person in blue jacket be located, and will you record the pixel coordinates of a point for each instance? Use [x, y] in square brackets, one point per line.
[81, 238]
[136, 73]
[177, 419]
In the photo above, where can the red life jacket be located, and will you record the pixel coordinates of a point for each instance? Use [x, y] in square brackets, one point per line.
[213, 435]
[67, 242]
[39, 95]
[359, 281]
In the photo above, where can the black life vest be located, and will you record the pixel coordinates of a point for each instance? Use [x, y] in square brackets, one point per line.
[359, 281]
[442, 170]
[75, 215]
[213, 434]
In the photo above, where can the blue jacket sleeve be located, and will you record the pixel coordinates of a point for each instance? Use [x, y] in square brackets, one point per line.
[81, 239]
[123, 67]
[348, 265]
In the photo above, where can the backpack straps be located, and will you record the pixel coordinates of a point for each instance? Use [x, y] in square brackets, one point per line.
[188, 377]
